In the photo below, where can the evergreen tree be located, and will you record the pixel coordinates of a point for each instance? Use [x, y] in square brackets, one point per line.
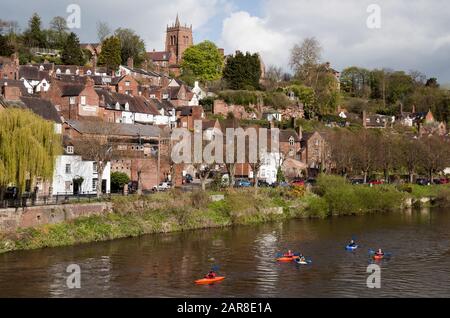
[72, 53]
[5, 48]
[110, 54]
[243, 72]
[34, 36]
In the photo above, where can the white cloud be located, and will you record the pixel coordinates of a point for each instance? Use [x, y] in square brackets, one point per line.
[413, 34]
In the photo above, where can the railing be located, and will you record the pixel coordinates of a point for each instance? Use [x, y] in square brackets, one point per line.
[30, 199]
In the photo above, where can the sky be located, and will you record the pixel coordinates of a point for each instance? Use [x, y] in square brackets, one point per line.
[412, 34]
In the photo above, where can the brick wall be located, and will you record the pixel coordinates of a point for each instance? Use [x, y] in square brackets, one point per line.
[12, 219]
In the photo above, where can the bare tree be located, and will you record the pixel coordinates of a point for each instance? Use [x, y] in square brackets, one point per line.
[410, 152]
[97, 146]
[103, 31]
[436, 155]
[305, 57]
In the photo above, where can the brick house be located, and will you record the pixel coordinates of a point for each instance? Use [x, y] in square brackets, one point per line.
[9, 67]
[125, 85]
[135, 148]
[314, 152]
[75, 101]
[186, 116]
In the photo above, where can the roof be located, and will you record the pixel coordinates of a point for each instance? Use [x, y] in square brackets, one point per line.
[15, 83]
[129, 130]
[71, 89]
[285, 135]
[163, 56]
[137, 104]
[42, 107]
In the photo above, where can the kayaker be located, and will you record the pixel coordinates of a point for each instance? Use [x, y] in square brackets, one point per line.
[302, 259]
[352, 243]
[289, 254]
[211, 275]
[379, 252]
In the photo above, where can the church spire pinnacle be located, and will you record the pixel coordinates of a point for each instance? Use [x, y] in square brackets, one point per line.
[177, 21]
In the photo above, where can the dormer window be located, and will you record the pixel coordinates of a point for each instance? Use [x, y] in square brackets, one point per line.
[127, 107]
[291, 141]
[41, 68]
[58, 71]
[117, 106]
[89, 72]
[68, 71]
[69, 150]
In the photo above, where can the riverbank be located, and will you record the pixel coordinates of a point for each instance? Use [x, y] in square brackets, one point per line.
[181, 211]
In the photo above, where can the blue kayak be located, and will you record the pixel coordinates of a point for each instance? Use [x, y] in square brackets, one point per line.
[351, 248]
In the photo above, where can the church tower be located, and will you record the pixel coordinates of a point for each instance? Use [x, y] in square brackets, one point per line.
[178, 39]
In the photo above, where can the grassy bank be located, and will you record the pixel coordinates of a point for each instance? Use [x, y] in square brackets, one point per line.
[179, 211]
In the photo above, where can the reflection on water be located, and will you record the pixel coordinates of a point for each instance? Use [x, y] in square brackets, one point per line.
[167, 265]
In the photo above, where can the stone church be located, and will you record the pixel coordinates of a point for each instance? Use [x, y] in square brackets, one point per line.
[178, 38]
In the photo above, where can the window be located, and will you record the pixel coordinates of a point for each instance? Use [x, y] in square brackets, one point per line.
[67, 186]
[83, 100]
[69, 150]
[291, 141]
[72, 100]
[127, 83]
[94, 184]
[68, 168]
[94, 167]
[263, 173]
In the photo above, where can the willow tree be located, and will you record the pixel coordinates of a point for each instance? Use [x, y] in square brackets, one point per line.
[28, 147]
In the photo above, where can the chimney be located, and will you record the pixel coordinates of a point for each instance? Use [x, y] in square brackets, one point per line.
[130, 62]
[414, 109]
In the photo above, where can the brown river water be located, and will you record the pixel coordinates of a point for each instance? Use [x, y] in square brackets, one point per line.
[166, 265]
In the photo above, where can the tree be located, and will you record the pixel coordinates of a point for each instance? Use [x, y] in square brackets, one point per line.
[97, 147]
[103, 31]
[274, 75]
[72, 53]
[410, 152]
[436, 155]
[131, 46]
[59, 30]
[118, 181]
[307, 97]
[304, 59]
[356, 81]
[203, 61]
[242, 72]
[28, 148]
[34, 36]
[110, 54]
[5, 48]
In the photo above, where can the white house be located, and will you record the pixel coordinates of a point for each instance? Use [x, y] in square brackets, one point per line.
[269, 168]
[273, 116]
[74, 176]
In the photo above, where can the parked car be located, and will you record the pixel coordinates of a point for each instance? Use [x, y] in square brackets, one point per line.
[163, 186]
[263, 184]
[376, 182]
[283, 184]
[357, 181]
[242, 183]
[444, 181]
[188, 178]
[298, 183]
[423, 182]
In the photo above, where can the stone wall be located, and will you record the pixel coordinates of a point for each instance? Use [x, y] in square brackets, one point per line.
[12, 219]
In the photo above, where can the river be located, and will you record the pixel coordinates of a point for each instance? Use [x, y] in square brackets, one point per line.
[166, 265]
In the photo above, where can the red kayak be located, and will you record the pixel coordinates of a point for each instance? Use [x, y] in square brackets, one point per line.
[209, 281]
[286, 259]
[378, 257]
